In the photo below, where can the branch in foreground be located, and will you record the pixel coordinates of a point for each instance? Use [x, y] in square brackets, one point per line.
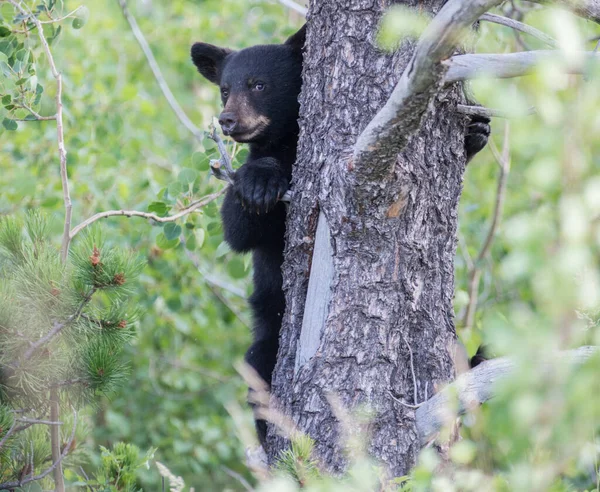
[588, 9]
[389, 131]
[475, 387]
[520, 26]
[147, 215]
[294, 6]
[509, 65]
[491, 113]
[222, 169]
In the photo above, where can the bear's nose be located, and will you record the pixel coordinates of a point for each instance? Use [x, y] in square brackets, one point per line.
[228, 122]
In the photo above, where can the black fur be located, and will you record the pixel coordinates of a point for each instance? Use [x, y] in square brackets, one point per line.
[478, 132]
[259, 89]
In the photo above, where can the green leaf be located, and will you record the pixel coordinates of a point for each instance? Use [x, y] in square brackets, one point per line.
[236, 268]
[4, 31]
[6, 99]
[9, 124]
[190, 240]
[200, 161]
[82, 16]
[159, 208]
[39, 89]
[5, 68]
[53, 38]
[188, 176]
[208, 144]
[222, 250]
[176, 188]
[200, 237]
[172, 230]
[163, 243]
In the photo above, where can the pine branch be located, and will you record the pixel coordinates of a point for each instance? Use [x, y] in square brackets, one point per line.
[56, 329]
[55, 464]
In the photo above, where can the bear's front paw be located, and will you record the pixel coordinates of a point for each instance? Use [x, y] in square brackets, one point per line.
[477, 136]
[259, 186]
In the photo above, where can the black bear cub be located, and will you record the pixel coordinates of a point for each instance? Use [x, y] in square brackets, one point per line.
[259, 89]
[260, 86]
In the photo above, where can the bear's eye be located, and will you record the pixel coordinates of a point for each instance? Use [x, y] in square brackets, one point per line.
[224, 92]
[259, 86]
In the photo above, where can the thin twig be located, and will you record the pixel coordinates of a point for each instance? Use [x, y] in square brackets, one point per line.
[56, 329]
[520, 26]
[148, 215]
[38, 421]
[475, 272]
[10, 432]
[221, 168]
[238, 477]
[414, 378]
[294, 6]
[60, 19]
[162, 83]
[214, 288]
[492, 113]
[62, 151]
[36, 114]
[55, 464]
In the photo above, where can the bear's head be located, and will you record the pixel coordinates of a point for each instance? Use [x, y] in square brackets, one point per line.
[259, 88]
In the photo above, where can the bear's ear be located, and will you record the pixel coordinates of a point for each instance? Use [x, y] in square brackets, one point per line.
[297, 40]
[208, 60]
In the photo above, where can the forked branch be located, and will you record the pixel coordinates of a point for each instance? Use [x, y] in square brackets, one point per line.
[389, 131]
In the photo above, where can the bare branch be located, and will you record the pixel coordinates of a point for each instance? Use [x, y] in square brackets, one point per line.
[147, 215]
[477, 386]
[221, 168]
[520, 26]
[389, 131]
[491, 113]
[60, 19]
[235, 475]
[38, 421]
[62, 151]
[38, 116]
[588, 9]
[162, 83]
[11, 431]
[294, 6]
[475, 272]
[509, 65]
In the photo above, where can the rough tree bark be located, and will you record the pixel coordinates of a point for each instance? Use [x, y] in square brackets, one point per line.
[392, 235]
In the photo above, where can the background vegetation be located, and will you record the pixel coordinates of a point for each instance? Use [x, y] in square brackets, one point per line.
[539, 288]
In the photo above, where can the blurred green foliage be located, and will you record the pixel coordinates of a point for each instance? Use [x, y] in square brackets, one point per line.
[539, 289]
[127, 150]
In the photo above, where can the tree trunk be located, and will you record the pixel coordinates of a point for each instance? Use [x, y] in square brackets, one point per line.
[392, 238]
